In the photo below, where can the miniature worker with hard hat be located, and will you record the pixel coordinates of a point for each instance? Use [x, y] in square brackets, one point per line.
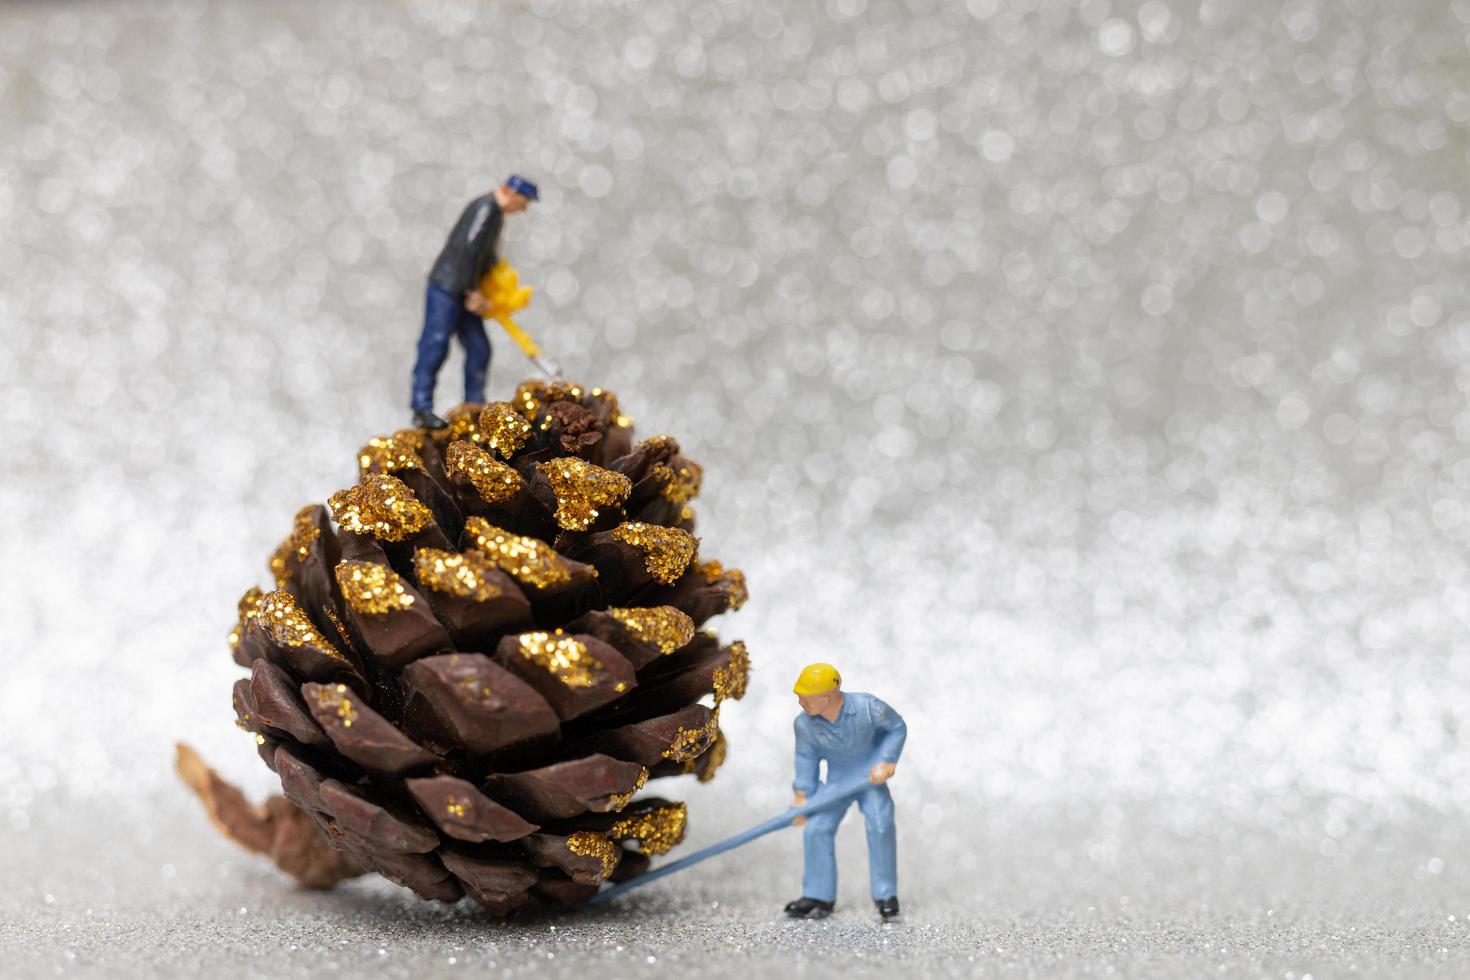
[853, 732]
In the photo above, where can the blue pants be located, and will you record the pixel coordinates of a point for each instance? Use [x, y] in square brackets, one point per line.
[445, 317]
[819, 879]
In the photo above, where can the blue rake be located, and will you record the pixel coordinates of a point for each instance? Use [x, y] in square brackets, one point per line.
[821, 800]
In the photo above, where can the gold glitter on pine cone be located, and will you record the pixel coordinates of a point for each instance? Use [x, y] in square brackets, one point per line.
[464, 681]
[335, 699]
[610, 401]
[372, 589]
[620, 800]
[392, 454]
[462, 421]
[680, 485]
[730, 580]
[706, 765]
[690, 742]
[730, 680]
[466, 575]
[380, 505]
[656, 830]
[532, 396]
[528, 560]
[664, 627]
[666, 550]
[503, 429]
[249, 607]
[303, 532]
[564, 657]
[287, 625]
[585, 843]
[582, 490]
[493, 480]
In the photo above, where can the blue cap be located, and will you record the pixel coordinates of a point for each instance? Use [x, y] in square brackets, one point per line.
[523, 187]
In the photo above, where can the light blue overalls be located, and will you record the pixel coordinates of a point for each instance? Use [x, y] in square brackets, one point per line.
[866, 732]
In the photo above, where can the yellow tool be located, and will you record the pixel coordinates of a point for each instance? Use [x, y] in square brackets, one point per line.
[505, 295]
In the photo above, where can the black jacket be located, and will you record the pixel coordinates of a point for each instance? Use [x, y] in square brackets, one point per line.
[469, 252]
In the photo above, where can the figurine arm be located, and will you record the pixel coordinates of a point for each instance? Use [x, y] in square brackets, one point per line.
[482, 239]
[808, 762]
[893, 732]
[486, 262]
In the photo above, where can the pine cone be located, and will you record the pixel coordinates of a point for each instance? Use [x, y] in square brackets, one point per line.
[475, 657]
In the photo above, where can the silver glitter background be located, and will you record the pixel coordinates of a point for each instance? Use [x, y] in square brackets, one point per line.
[1086, 379]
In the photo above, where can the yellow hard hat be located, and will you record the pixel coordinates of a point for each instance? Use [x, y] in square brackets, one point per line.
[817, 679]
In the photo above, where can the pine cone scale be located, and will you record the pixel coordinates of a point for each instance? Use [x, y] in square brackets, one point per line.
[574, 673]
[464, 813]
[278, 705]
[592, 783]
[373, 824]
[467, 700]
[361, 734]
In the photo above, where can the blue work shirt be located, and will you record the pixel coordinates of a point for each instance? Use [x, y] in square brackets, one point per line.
[866, 731]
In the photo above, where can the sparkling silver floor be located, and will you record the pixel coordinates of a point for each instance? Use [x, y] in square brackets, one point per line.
[1086, 379]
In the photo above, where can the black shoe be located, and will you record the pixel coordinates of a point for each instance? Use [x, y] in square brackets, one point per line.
[428, 420]
[808, 908]
[887, 907]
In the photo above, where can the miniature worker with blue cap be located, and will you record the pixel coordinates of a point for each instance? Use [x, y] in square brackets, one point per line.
[454, 305]
[854, 733]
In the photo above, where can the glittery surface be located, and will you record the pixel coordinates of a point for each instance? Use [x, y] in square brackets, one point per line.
[336, 699]
[666, 550]
[732, 580]
[689, 743]
[463, 422]
[380, 505]
[610, 399]
[493, 480]
[503, 428]
[297, 544]
[732, 679]
[618, 801]
[663, 627]
[565, 657]
[582, 490]
[1085, 379]
[589, 844]
[681, 484]
[247, 608]
[528, 560]
[656, 830]
[709, 762]
[462, 574]
[390, 454]
[289, 626]
[534, 395]
[372, 588]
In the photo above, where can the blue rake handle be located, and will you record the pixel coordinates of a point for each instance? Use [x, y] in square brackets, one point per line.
[823, 798]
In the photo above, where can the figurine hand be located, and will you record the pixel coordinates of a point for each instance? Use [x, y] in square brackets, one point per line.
[474, 301]
[799, 801]
[881, 773]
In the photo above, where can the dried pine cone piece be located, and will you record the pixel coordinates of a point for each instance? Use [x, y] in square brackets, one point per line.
[278, 829]
[475, 658]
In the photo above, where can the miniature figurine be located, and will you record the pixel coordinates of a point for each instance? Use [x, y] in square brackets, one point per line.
[850, 731]
[454, 304]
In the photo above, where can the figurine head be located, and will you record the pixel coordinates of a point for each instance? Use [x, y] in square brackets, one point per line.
[817, 688]
[515, 194]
